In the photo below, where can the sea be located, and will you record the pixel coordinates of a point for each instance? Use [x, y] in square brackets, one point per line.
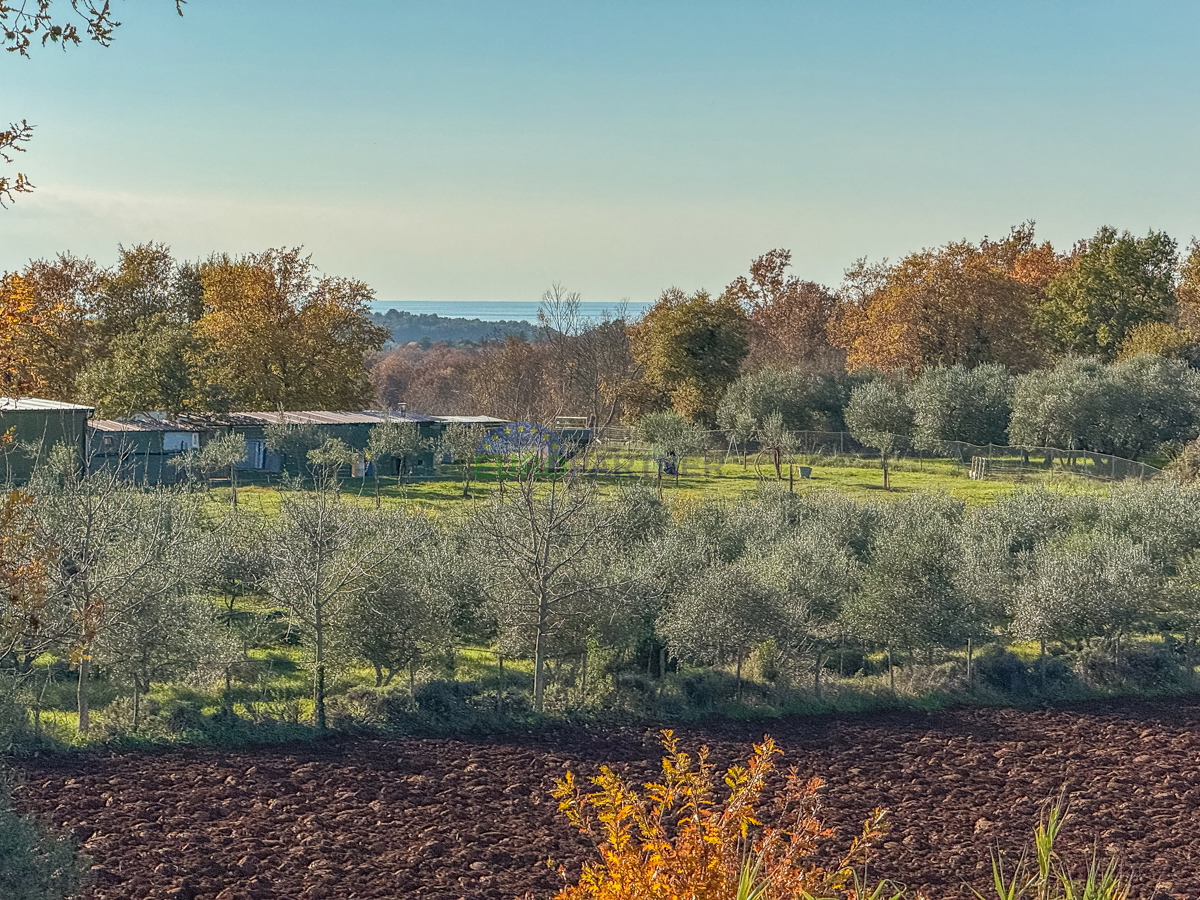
[502, 310]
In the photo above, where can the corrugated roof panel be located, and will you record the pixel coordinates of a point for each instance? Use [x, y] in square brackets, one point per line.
[36, 403]
[141, 425]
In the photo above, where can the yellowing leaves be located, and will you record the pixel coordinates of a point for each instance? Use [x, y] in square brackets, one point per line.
[682, 839]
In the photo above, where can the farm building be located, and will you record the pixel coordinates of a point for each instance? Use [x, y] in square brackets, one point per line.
[141, 447]
[144, 445]
[351, 427]
[30, 427]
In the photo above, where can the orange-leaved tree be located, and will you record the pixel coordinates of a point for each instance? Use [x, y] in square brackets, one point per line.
[690, 837]
[961, 304]
[22, 312]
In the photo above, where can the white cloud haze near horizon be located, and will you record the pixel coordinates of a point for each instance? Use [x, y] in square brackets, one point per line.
[476, 151]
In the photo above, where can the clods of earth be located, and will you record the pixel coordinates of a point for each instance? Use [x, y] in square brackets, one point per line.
[353, 819]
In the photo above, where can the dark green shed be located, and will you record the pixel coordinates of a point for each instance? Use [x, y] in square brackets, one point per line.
[29, 429]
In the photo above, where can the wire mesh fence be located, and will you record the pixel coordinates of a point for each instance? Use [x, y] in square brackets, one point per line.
[618, 450]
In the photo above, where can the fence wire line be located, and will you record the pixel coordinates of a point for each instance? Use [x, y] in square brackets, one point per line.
[997, 459]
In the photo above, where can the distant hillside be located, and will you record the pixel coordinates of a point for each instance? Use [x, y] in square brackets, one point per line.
[419, 327]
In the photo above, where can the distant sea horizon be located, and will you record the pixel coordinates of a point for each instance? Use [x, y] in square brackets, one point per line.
[500, 310]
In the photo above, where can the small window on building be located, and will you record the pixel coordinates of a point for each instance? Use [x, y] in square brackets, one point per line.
[176, 441]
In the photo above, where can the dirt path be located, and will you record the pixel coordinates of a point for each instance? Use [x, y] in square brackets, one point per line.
[358, 819]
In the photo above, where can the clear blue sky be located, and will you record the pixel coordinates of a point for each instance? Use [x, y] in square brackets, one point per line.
[451, 150]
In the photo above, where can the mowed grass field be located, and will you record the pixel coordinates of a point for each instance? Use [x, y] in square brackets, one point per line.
[731, 480]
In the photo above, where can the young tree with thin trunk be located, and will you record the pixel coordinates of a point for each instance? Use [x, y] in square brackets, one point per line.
[324, 554]
[880, 416]
[554, 578]
[395, 441]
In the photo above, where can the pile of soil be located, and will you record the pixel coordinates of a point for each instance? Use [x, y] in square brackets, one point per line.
[352, 819]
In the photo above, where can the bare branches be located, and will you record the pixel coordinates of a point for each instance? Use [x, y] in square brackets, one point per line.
[10, 142]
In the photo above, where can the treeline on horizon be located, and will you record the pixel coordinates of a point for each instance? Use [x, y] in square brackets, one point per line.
[269, 330]
[427, 329]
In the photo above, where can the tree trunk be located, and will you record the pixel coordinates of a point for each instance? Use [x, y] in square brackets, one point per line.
[539, 656]
[817, 676]
[378, 499]
[233, 484]
[378, 674]
[970, 673]
[583, 673]
[886, 484]
[81, 695]
[891, 669]
[319, 672]
[662, 663]
[319, 698]
[500, 683]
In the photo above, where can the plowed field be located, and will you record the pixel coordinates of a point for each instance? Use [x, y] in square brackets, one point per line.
[451, 819]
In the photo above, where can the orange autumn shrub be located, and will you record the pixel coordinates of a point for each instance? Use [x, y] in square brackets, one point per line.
[687, 837]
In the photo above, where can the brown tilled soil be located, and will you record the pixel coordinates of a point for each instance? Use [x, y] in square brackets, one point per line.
[361, 818]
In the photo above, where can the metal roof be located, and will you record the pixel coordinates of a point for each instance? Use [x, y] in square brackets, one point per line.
[22, 404]
[327, 417]
[141, 424]
[469, 420]
[296, 417]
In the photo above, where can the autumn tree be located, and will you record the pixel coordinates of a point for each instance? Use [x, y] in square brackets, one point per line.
[151, 368]
[962, 303]
[20, 314]
[511, 379]
[1116, 283]
[436, 380]
[24, 622]
[279, 334]
[788, 317]
[691, 348]
[1187, 293]
[64, 290]
[590, 366]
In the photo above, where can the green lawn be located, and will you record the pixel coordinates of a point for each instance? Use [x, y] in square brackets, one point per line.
[856, 478]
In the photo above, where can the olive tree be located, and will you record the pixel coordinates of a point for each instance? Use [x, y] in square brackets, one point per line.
[907, 598]
[460, 443]
[1088, 586]
[323, 556]
[554, 576]
[405, 609]
[879, 415]
[961, 404]
[118, 553]
[224, 453]
[35, 863]
[395, 441]
[719, 616]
